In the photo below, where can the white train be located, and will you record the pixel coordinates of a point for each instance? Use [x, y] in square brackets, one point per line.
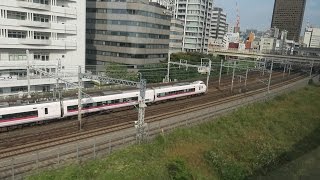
[17, 115]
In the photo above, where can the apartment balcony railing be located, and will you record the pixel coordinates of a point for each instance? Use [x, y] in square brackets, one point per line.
[32, 5]
[35, 42]
[34, 24]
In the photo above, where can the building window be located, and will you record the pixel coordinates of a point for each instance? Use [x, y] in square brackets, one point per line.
[17, 34]
[16, 15]
[41, 18]
[18, 89]
[41, 35]
[17, 57]
[41, 56]
[41, 1]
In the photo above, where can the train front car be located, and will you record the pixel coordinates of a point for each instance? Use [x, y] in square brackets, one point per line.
[26, 114]
[202, 88]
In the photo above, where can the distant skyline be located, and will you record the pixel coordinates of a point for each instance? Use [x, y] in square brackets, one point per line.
[257, 14]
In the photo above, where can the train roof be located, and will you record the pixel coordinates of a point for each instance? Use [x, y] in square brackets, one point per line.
[178, 84]
[104, 93]
[19, 103]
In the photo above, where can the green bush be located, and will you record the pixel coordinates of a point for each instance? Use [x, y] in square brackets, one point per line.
[229, 170]
[177, 170]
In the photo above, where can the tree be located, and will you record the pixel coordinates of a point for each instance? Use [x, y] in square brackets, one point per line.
[120, 71]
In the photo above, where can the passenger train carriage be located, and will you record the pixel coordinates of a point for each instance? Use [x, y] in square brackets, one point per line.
[15, 115]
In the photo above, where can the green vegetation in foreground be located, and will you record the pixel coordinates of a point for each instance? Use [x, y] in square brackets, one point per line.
[248, 142]
[305, 167]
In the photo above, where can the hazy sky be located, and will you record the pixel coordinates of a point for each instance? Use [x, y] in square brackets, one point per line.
[257, 14]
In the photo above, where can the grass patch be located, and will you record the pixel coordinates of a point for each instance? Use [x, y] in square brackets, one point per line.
[243, 144]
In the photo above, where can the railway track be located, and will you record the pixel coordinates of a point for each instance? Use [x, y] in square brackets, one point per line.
[111, 119]
[36, 146]
[21, 170]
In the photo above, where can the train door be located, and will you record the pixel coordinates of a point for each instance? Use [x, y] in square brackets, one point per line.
[61, 109]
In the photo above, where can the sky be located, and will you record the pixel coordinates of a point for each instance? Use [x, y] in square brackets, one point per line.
[257, 14]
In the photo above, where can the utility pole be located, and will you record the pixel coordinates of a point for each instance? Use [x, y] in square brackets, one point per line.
[201, 68]
[28, 72]
[79, 98]
[234, 69]
[228, 68]
[208, 74]
[168, 70]
[290, 69]
[220, 72]
[270, 76]
[55, 90]
[245, 82]
[264, 66]
[311, 69]
[140, 125]
[284, 70]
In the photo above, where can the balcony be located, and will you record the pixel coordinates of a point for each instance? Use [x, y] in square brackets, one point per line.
[35, 42]
[64, 28]
[34, 24]
[65, 11]
[7, 43]
[23, 64]
[31, 5]
[64, 44]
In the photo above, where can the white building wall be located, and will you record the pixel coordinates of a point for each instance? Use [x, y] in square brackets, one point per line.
[52, 32]
[196, 15]
[267, 45]
[315, 38]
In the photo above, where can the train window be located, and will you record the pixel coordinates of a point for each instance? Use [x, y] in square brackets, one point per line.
[45, 110]
[181, 91]
[117, 101]
[161, 94]
[19, 115]
[99, 103]
[71, 108]
[134, 99]
[88, 105]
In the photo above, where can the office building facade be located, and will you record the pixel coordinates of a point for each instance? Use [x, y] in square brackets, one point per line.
[132, 32]
[288, 15]
[53, 32]
[218, 23]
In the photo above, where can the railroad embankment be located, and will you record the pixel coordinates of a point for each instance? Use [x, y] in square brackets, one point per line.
[251, 142]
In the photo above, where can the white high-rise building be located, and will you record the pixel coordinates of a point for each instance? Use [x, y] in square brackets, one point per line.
[54, 33]
[312, 37]
[196, 15]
